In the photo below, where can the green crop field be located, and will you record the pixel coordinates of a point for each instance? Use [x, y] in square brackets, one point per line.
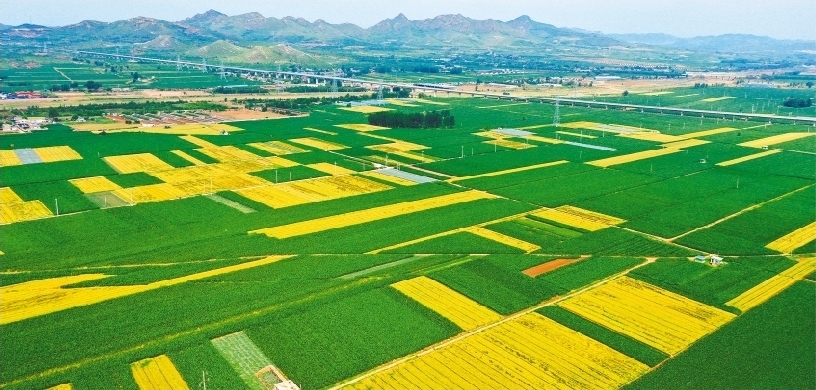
[295, 231]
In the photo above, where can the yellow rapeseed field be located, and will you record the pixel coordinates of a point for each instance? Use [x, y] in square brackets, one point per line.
[459, 309]
[686, 143]
[366, 109]
[793, 240]
[604, 127]
[318, 143]
[705, 133]
[749, 157]
[530, 352]
[504, 239]
[506, 143]
[651, 136]
[157, 373]
[63, 386]
[188, 157]
[132, 163]
[776, 284]
[8, 158]
[370, 215]
[39, 297]
[57, 153]
[7, 195]
[636, 156]
[150, 193]
[657, 317]
[400, 103]
[361, 127]
[418, 100]
[775, 139]
[277, 147]
[332, 169]
[23, 211]
[313, 190]
[198, 141]
[513, 170]
[398, 146]
[228, 153]
[578, 217]
[90, 185]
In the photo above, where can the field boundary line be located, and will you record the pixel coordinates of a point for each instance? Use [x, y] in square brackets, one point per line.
[738, 213]
[466, 334]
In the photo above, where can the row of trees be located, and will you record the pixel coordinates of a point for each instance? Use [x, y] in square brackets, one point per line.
[98, 109]
[798, 102]
[417, 120]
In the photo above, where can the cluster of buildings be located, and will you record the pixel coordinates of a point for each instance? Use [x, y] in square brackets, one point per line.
[21, 95]
[20, 124]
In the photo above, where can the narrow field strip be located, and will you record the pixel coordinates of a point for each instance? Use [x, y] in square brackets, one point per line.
[157, 373]
[504, 239]
[366, 109]
[279, 148]
[320, 131]
[361, 126]
[243, 356]
[793, 240]
[662, 319]
[389, 178]
[636, 156]
[370, 215]
[198, 141]
[652, 136]
[775, 139]
[461, 310]
[748, 157]
[318, 143]
[39, 297]
[776, 284]
[506, 143]
[331, 169]
[188, 157]
[507, 171]
[529, 352]
[549, 266]
[705, 133]
[685, 143]
[578, 217]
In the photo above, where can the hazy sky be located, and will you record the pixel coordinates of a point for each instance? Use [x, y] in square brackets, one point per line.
[790, 19]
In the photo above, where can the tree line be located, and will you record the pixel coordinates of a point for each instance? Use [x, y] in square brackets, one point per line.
[416, 120]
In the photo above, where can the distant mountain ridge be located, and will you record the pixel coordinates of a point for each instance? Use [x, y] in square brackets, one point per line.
[722, 43]
[254, 30]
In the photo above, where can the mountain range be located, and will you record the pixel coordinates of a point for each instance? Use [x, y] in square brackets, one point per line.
[253, 29]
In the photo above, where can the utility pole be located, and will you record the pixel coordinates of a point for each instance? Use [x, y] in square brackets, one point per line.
[56, 203]
[557, 115]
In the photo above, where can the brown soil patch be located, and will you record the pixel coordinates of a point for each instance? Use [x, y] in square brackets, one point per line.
[244, 114]
[549, 266]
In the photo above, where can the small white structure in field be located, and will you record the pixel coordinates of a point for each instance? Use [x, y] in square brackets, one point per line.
[716, 260]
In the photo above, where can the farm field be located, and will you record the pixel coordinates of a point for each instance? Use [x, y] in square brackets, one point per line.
[503, 252]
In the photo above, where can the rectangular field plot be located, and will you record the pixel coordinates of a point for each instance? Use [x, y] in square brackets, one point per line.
[450, 304]
[142, 162]
[776, 284]
[157, 373]
[795, 239]
[313, 190]
[370, 215]
[578, 217]
[775, 139]
[90, 185]
[318, 143]
[652, 315]
[244, 356]
[14, 209]
[530, 352]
